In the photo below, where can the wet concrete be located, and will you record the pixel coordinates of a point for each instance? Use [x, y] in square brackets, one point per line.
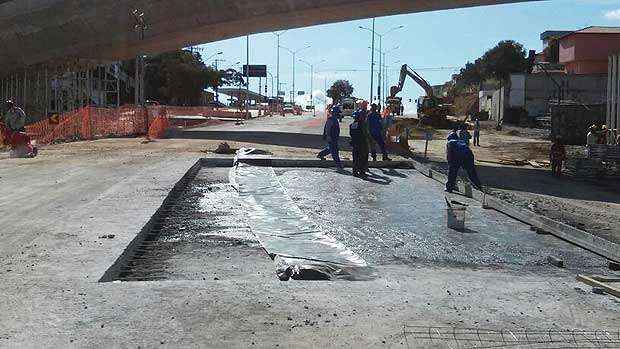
[318, 224]
[203, 228]
[398, 217]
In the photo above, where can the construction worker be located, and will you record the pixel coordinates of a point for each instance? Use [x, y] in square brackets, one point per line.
[477, 132]
[557, 155]
[14, 118]
[375, 126]
[360, 144]
[454, 134]
[459, 155]
[14, 132]
[464, 134]
[331, 134]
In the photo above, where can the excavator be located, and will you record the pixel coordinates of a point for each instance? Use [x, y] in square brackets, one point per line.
[432, 110]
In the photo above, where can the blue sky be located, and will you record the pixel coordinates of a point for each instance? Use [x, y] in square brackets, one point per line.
[429, 40]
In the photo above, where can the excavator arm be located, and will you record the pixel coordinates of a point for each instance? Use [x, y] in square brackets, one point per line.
[406, 71]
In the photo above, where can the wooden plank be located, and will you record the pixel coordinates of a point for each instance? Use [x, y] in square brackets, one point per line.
[605, 278]
[595, 283]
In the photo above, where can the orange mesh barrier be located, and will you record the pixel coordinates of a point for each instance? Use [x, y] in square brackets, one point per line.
[90, 123]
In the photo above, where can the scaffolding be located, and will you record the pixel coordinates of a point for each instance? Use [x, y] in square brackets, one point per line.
[43, 91]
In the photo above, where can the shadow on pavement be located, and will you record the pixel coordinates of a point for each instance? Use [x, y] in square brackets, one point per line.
[294, 140]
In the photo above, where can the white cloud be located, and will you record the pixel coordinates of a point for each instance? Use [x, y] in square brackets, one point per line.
[613, 14]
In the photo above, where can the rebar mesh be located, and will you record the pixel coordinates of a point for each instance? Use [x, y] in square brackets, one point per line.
[455, 337]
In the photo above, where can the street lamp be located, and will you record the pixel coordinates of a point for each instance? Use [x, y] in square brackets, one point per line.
[373, 53]
[270, 75]
[294, 53]
[278, 60]
[385, 76]
[312, 83]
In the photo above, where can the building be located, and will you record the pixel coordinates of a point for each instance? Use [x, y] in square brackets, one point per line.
[551, 46]
[587, 51]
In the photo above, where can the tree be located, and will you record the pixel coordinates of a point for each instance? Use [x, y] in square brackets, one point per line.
[498, 63]
[339, 90]
[178, 78]
[471, 74]
[504, 59]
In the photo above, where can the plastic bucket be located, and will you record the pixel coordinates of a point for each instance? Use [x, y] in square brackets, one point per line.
[456, 217]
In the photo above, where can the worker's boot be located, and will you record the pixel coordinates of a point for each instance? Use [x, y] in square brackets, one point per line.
[386, 158]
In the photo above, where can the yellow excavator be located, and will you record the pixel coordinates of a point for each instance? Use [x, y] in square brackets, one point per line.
[432, 110]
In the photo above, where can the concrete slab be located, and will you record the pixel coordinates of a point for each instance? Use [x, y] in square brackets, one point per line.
[52, 257]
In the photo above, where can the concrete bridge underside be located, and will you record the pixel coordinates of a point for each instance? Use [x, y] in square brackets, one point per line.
[42, 31]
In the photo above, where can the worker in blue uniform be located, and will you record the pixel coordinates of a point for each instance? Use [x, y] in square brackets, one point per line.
[331, 134]
[459, 155]
[375, 126]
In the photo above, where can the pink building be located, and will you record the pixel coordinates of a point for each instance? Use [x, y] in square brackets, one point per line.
[586, 51]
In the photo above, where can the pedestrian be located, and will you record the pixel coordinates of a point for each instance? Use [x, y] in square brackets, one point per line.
[14, 132]
[459, 155]
[14, 118]
[591, 137]
[464, 134]
[477, 132]
[557, 155]
[359, 140]
[331, 134]
[375, 126]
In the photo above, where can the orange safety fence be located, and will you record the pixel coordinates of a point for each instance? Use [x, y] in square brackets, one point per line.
[90, 123]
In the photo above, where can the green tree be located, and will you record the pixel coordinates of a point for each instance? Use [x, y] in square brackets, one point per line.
[505, 58]
[339, 90]
[178, 78]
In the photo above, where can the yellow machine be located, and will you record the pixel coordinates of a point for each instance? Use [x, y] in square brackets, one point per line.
[432, 110]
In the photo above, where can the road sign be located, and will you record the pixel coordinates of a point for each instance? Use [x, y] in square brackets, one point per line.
[281, 93]
[301, 93]
[256, 71]
[428, 135]
[54, 119]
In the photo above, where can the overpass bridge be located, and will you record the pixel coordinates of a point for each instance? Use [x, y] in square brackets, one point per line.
[41, 31]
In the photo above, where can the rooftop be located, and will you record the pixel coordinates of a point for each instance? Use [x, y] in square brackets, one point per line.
[554, 34]
[596, 30]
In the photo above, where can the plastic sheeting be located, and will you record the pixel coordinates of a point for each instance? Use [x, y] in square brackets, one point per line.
[300, 249]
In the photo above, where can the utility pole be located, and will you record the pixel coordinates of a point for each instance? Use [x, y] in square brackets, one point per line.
[372, 61]
[278, 61]
[247, 75]
[381, 58]
[140, 27]
[294, 54]
[312, 83]
[217, 95]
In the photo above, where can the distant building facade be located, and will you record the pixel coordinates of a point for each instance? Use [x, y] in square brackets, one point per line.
[587, 51]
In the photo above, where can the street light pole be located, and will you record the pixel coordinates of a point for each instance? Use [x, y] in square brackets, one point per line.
[312, 83]
[372, 48]
[270, 75]
[247, 74]
[294, 54]
[372, 61]
[278, 60]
